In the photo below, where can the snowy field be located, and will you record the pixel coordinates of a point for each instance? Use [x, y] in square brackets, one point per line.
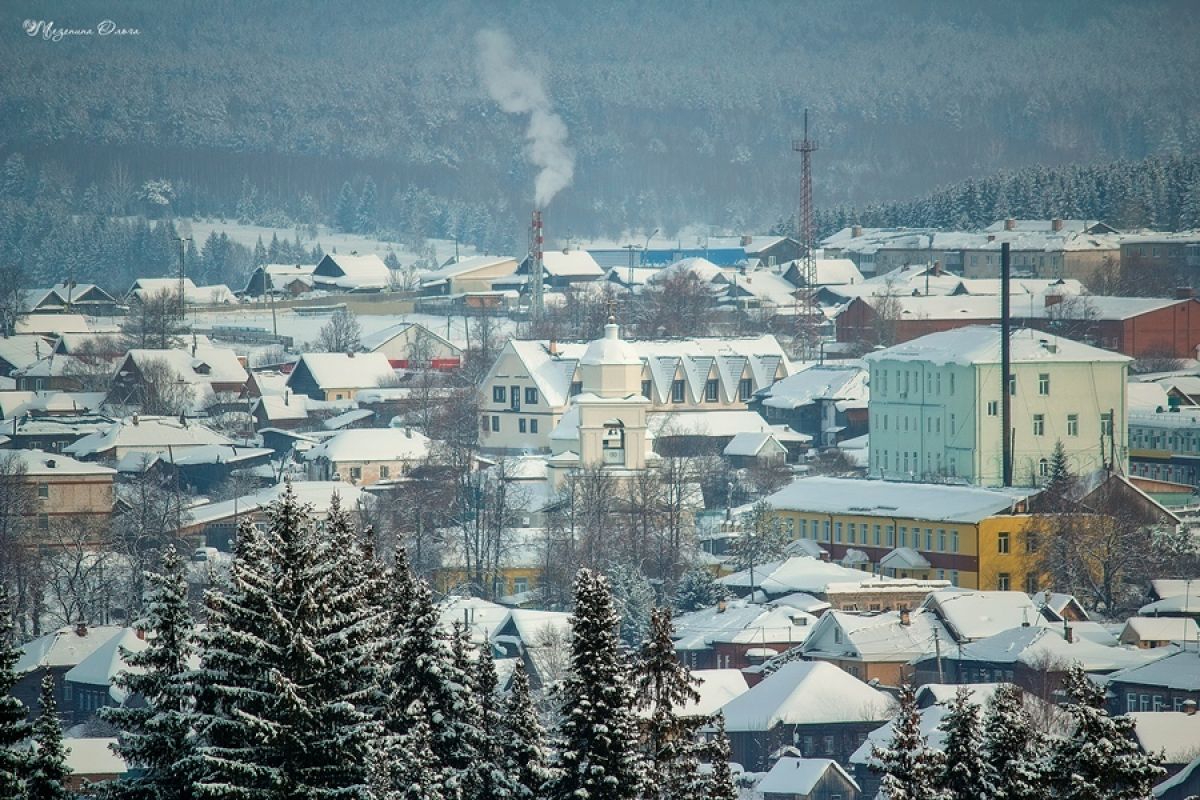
[327, 237]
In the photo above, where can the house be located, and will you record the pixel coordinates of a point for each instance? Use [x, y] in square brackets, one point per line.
[66, 494]
[875, 647]
[20, 352]
[1165, 445]
[819, 708]
[969, 615]
[53, 432]
[541, 639]
[716, 687]
[533, 384]
[91, 760]
[87, 298]
[842, 587]
[562, 268]
[755, 449]
[286, 411]
[410, 345]
[193, 295]
[1174, 735]
[827, 402]
[480, 617]
[89, 686]
[144, 434]
[973, 537]
[364, 456]
[1150, 632]
[208, 372]
[56, 653]
[339, 376]
[935, 407]
[1175, 255]
[51, 324]
[517, 578]
[476, 274]
[214, 524]
[1164, 683]
[1140, 327]
[287, 280]
[738, 633]
[829, 272]
[351, 273]
[203, 469]
[797, 778]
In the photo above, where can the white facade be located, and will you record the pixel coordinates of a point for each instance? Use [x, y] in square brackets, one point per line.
[935, 407]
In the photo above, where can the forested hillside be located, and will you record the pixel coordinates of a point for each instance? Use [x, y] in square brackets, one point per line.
[265, 110]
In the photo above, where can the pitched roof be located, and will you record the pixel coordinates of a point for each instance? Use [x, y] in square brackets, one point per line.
[843, 383]
[318, 494]
[741, 622]
[1163, 629]
[1173, 733]
[972, 614]
[805, 693]
[372, 444]
[879, 498]
[345, 370]
[980, 344]
[195, 365]
[352, 271]
[875, 637]
[798, 776]
[571, 263]
[39, 462]
[146, 433]
[749, 445]
[64, 647]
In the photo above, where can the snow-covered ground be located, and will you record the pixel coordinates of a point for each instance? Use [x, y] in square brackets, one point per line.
[328, 238]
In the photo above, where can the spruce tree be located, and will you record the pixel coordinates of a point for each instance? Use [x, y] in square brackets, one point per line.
[720, 780]
[662, 685]
[13, 727]
[963, 774]
[48, 769]
[346, 208]
[1010, 748]
[598, 755]
[910, 768]
[493, 779]
[698, 589]
[278, 717]
[364, 220]
[416, 772]
[1100, 758]
[155, 738]
[526, 755]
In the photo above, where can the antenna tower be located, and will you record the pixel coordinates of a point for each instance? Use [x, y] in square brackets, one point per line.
[805, 309]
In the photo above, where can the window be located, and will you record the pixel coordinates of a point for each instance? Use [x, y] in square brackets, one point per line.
[1131, 702]
[952, 426]
[483, 423]
[385, 471]
[530, 396]
[954, 545]
[1072, 424]
[876, 535]
[951, 383]
[837, 635]
[1031, 584]
[1039, 424]
[43, 490]
[1002, 542]
[646, 389]
[1031, 542]
[1002, 581]
[942, 539]
[891, 536]
[825, 532]
[521, 425]
[929, 538]
[745, 389]
[514, 398]
[803, 528]
[533, 426]
[1044, 383]
[356, 473]
[495, 423]
[903, 536]
[1106, 423]
[43, 522]
[954, 577]
[1043, 467]
[499, 394]
[520, 585]
[852, 534]
[829, 745]
[576, 388]
[676, 391]
[993, 408]
[837, 532]
[1012, 385]
[710, 391]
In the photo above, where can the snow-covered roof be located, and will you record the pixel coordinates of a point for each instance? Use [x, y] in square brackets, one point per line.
[350, 417]
[724, 422]
[40, 462]
[372, 444]
[1176, 669]
[93, 756]
[1162, 629]
[843, 383]
[1173, 733]
[531, 625]
[571, 263]
[1145, 398]
[51, 324]
[355, 271]
[973, 614]
[904, 558]
[980, 344]
[201, 364]
[1175, 587]
[930, 718]
[742, 622]
[804, 574]
[1038, 646]
[702, 268]
[805, 693]
[798, 776]
[717, 687]
[765, 286]
[1179, 604]
[481, 617]
[463, 267]
[144, 433]
[318, 494]
[346, 370]
[879, 498]
[64, 647]
[874, 637]
[749, 445]
[376, 340]
[281, 407]
[22, 351]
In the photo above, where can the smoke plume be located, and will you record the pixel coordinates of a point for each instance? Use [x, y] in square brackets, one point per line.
[517, 90]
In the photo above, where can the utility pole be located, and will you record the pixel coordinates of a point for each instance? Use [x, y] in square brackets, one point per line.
[1006, 453]
[182, 274]
[804, 227]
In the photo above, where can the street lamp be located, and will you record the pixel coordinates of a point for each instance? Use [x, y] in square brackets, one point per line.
[647, 247]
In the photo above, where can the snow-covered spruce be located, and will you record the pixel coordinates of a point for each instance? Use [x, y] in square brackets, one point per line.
[963, 773]
[13, 728]
[1011, 748]
[48, 771]
[910, 768]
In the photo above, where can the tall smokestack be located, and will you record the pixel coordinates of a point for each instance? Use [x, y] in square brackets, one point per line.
[1005, 365]
[536, 241]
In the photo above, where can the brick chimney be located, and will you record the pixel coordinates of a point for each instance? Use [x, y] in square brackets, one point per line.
[1010, 224]
[856, 231]
[1184, 292]
[905, 617]
[1053, 299]
[1056, 224]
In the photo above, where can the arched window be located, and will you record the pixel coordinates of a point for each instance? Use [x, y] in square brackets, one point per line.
[1044, 467]
[613, 443]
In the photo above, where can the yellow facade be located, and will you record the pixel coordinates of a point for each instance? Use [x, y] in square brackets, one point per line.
[994, 553]
[511, 580]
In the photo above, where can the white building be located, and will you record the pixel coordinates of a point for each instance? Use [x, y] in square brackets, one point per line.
[935, 408]
[533, 384]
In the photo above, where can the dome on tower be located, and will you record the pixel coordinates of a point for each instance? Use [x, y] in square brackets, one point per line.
[610, 349]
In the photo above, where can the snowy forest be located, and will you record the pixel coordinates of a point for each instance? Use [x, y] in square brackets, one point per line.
[315, 671]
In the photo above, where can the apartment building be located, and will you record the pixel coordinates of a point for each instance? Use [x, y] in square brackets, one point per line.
[935, 408]
[1166, 446]
[973, 537]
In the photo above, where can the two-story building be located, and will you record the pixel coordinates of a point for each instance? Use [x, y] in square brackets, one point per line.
[936, 406]
[533, 384]
[1165, 446]
[340, 376]
[973, 537]
[64, 492]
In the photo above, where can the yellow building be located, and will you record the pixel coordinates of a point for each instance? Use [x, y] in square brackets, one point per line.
[521, 568]
[976, 538]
